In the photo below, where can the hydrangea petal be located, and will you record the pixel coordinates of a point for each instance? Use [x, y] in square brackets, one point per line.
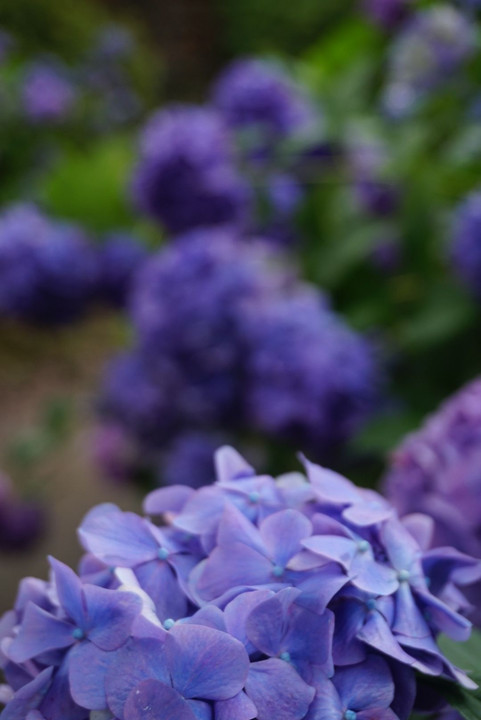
[278, 691]
[39, 633]
[152, 700]
[110, 616]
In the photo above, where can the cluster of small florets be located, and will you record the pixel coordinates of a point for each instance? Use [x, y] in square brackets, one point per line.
[223, 164]
[465, 246]
[21, 521]
[50, 272]
[48, 92]
[429, 50]
[227, 339]
[437, 470]
[256, 598]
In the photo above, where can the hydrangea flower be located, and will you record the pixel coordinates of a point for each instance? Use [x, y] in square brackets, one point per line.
[185, 176]
[21, 522]
[228, 340]
[47, 268]
[268, 617]
[48, 95]
[437, 471]
[429, 50]
[119, 257]
[387, 13]
[465, 246]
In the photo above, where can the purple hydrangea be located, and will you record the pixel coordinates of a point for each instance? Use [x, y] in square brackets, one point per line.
[257, 95]
[437, 470]
[387, 13]
[47, 268]
[465, 248]
[185, 176]
[21, 522]
[226, 339]
[48, 94]
[430, 49]
[296, 598]
[119, 258]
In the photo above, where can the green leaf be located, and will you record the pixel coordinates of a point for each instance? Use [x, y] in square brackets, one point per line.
[466, 655]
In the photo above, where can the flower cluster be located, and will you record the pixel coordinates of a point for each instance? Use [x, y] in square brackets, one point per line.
[256, 598]
[119, 258]
[47, 268]
[387, 13]
[48, 94]
[437, 470]
[227, 338]
[21, 522]
[465, 248]
[429, 50]
[185, 176]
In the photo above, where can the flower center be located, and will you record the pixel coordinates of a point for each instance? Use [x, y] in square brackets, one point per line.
[350, 715]
[278, 570]
[169, 623]
[254, 497]
[162, 553]
[371, 604]
[363, 546]
[78, 634]
[285, 656]
[403, 575]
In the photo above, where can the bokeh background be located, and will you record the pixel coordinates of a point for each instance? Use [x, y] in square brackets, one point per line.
[346, 136]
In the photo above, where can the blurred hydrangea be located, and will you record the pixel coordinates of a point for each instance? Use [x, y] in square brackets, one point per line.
[387, 13]
[255, 598]
[48, 94]
[6, 44]
[119, 258]
[21, 522]
[465, 247]
[437, 470]
[47, 268]
[185, 176]
[429, 50]
[227, 338]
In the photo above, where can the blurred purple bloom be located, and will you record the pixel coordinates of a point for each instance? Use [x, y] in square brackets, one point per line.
[190, 460]
[119, 257]
[387, 13]
[6, 44]
[465, 248]
[21, 522]
[48, 94]
[185, 176]
[437, 470]
[47, 268]
[386, 255]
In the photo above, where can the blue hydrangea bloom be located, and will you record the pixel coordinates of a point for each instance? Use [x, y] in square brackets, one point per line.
[246, 603]
[429, 50]
[47, 268]
[119, 257]
[257, 95]
[465, 247]
[185, 176]
[48, 94]
[437, 471]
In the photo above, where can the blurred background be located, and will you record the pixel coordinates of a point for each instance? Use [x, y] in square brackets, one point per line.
[252, 223]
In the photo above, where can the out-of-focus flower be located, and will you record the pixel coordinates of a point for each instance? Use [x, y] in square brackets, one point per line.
[6, 44]
[257, 95]
[47, 268]
[190, 460]
[437, 470]
[432, 47]
[114, 43]
[48, 94]
[387, 13]
[21, 522]
[185, 176]
[119, 258]
[386, 255]
[295, 599]
[465, 247]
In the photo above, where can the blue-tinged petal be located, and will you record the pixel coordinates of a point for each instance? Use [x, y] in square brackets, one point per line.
[283, 533]
[266, 626]
[368, 513]
[405, 688]
[168, 499]
[421, 527]
[39, 633]
[210, 616]
[240, 707]
[370, 576]
[278, 691]
[238, 610]
[377, 714]
[116, 537]
[309, 639]
[159, 582]
[69, 591]
[332, 547]
[443, 564]
[331, 487]
[57, 703]
[443, 618]
[326, 704]
[425, 653]
[234, 527]
[201, 710]
[202, 512]
[230, 465]
[152, 700]
[319, 587]
[350, 617]
[402, 549]
[377, 634]
[408, 619]
[205, 663]
[87, 667]
[364, 686]
[134, 662]
[110, 616]
[231, 566]
[28, 697]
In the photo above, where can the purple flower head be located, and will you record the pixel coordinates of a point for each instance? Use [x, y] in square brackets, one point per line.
[48, 94]
[387, 13]
[437, 471]
[465, 248]
[21, 522]
[386, 255]
[185, 176]
[190, 460]
[114, 42]
[430, 49]
[113, 451]
[297, 598]
[47, 268]
[257, 95]
[119, 257]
